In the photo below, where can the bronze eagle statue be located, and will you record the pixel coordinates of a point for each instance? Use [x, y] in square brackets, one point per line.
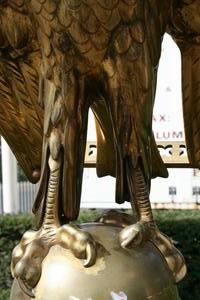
[58, 58]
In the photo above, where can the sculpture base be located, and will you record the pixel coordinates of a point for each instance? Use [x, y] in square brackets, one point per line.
[136, 274]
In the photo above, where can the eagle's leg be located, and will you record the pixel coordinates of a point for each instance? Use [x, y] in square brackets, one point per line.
[131, 185]
[145, 228]
[131, 124]
[137, 231]
[28, 255]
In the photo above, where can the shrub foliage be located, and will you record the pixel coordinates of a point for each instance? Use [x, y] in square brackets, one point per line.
[182, 226]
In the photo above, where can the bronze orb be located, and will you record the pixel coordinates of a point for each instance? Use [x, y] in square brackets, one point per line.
[135, 274]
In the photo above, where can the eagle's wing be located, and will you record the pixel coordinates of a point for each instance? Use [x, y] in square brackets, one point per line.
[21, 116]
[185, 29]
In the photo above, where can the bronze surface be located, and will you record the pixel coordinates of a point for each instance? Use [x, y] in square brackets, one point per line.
[141, 273]
[57, 59]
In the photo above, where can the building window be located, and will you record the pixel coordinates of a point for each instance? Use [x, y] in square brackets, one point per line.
[196, 193]
[172, 193]
[196, 172]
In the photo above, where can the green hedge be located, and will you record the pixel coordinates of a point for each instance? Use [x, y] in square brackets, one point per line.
[182, 226]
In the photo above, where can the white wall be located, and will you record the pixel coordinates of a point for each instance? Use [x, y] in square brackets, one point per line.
[168, 113]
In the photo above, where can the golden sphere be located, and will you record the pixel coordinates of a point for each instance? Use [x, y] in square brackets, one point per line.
[136, 274]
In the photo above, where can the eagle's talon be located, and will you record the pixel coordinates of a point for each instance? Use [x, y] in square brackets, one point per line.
[81, 243]
[134, 235]
[173, 257]
[26, 288]
[19, 250]
[91, 254]
[27, 259]
[116, 218]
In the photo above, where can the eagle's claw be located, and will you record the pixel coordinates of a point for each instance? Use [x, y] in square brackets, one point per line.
[27, 259]
[81, 243]
[135, 234]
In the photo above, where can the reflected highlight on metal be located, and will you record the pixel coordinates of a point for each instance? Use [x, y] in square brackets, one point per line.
[139, 273]
[58, 58]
